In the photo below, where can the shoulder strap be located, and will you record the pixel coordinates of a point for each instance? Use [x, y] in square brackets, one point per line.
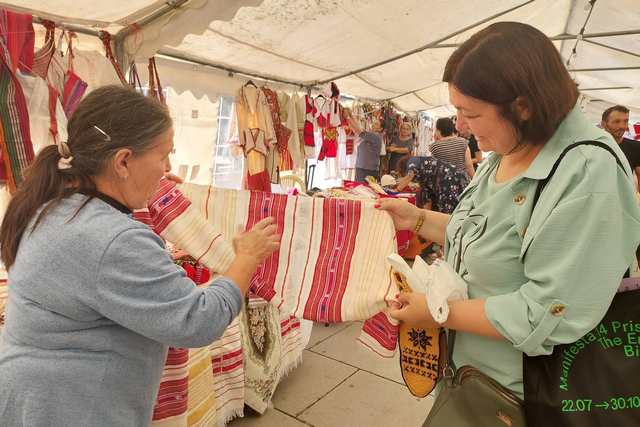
[545, 181]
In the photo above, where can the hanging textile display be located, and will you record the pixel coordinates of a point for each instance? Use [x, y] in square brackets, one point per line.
[106, 41]
[343, 277]
[19, 36]
[56, 75]
[95, 69]
[74, 86]
[295, 145]
[425, 136]
[256, 135]
[47, 120]
[42, 57]
[309, 125]
[17, 150]
[134, 78]
[285, 162]
[346, 146]
[155, 88]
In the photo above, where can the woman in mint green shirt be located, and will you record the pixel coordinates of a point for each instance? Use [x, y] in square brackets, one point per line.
[536, 278]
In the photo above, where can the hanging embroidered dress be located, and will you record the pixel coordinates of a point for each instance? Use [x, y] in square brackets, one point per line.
[252, 112]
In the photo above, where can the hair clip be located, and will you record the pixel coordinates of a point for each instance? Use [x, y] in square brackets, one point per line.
[107, 137]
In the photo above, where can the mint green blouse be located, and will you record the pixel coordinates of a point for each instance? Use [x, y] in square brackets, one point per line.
[578, 244]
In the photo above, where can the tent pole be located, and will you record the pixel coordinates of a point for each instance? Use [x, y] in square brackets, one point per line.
[585, 37]
[607, 88]
[584, 70]
[412, 91]
[178, 57]
[616, 49]
[69, 27]
[425, 47]
[596, 35]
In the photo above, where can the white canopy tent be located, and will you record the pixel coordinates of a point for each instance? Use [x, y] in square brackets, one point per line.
[383, 49]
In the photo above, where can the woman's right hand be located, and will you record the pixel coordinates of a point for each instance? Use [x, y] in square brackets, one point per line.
[259, 242]
[405, 215]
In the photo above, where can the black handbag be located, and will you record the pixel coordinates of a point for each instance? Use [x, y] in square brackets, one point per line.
[594, 381]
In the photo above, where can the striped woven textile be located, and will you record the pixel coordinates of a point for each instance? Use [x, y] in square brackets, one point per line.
[17, 31]
[227, 359]
[42, 57]
[186, 396]
[17, 149]
[74, 89]
[170, 215]
[327, 269]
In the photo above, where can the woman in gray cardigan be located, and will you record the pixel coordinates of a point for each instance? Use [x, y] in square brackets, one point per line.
[94, 298]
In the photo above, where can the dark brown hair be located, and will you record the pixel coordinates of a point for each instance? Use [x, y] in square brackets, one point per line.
[128, 120]
[445, 126]
[619, 108]
[511, 60]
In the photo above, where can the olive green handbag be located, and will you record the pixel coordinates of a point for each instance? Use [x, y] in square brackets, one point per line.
[469, 398]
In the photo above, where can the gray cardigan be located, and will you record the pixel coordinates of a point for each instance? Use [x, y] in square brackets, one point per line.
[94, 301]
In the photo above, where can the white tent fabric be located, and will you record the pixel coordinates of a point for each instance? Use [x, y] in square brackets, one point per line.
[310, 41]
[112, 14]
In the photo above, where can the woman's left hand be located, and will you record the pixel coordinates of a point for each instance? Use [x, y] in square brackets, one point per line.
[412, 308]
[404, 214]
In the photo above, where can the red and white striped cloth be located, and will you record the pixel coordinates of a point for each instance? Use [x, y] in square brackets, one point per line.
[227, 357]
[187, 396]
[331, 266]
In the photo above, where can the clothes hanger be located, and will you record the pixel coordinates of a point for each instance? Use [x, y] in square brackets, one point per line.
[250, 83]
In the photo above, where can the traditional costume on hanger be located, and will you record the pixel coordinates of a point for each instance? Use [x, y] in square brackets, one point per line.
[252, 112]
[95, 69]
[309, 126]
[283, 158]
[294, 144]
[47, 120]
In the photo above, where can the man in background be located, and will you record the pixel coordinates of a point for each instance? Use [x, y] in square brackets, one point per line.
[615, 120]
